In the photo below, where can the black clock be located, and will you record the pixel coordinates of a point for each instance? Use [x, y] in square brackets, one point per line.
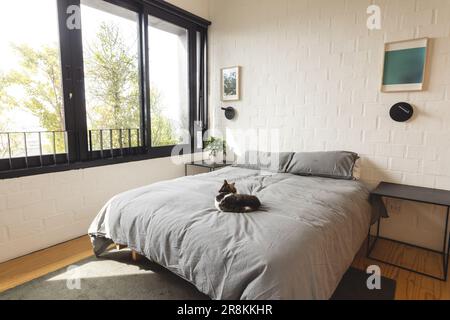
[401, 112]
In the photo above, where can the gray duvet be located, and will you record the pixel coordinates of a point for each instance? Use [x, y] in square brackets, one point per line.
[298, 247]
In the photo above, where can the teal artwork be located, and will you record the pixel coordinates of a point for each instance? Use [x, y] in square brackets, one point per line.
[404, 66]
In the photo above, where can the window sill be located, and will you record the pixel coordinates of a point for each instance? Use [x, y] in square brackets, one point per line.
[77, 166]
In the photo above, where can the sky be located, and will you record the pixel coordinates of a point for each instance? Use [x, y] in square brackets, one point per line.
[167, 58]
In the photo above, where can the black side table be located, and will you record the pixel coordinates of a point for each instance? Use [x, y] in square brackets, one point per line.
[416, 194]
[203, 164]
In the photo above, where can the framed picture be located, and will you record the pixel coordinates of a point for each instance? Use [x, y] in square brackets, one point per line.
[405, 65]
[230, 83]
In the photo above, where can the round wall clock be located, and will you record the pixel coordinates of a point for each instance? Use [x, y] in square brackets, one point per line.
[401, 112]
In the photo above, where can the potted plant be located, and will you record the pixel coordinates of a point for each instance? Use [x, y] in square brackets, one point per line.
[216, 147]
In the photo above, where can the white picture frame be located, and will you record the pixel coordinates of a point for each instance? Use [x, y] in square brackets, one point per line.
[231, 83]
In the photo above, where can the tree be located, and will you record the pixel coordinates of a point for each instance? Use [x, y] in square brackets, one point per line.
[39, 77]
[161, 129]
[39, 81]
[112, 83]
[112, 74]
[112, 77]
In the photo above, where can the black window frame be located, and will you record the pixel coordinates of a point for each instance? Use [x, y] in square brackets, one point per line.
[71, 48]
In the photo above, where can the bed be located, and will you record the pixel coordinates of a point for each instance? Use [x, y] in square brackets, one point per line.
[297, 247]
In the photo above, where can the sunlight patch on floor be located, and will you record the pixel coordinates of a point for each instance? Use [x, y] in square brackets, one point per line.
[94, 270]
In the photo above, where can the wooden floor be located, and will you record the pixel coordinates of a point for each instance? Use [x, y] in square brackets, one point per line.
[18, 271]
[410, 286]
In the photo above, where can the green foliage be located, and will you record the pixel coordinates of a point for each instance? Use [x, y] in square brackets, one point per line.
[113, 90]
[215, 145]
[162, 132]
[39, 77]
[112, 77]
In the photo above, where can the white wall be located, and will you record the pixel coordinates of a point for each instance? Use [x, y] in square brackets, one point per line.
[197, 7]
[40, 211]
[312, 69]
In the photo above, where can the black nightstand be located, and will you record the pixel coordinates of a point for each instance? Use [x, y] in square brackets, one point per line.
[416, 194]
[203, 164]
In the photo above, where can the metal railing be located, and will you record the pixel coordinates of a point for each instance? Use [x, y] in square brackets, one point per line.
[34, 147]
[111, 143]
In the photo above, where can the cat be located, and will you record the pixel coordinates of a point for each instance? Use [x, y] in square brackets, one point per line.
[229, 200]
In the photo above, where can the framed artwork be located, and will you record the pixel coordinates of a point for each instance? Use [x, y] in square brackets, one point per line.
[231, 83]
[405, 65]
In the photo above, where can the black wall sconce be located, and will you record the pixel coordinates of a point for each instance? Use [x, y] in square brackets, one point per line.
[230, 113]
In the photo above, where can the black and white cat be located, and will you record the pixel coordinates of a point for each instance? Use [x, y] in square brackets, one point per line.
[228, 200]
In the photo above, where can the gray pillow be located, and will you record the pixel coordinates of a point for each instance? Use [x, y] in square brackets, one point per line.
[270, 161]
[335, 164]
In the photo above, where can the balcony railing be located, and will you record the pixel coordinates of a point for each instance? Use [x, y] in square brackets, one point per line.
[33, 149]
[112, 143]
[29, 150]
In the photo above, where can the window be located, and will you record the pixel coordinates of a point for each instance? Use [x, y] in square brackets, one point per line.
[111, 75]
[32, 120]
[169, 89]
[129, 84]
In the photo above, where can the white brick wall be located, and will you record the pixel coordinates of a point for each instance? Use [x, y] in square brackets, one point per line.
[39, 211]
[312, 69]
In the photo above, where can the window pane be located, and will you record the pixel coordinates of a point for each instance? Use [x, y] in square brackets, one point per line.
[31, 97]
[169, 100]
[111, 62]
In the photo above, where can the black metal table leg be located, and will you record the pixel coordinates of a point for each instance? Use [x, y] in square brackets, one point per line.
[445, 251]
[446, 261]
[370, 246]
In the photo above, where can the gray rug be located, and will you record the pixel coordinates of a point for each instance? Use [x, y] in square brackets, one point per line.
[115, 276]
